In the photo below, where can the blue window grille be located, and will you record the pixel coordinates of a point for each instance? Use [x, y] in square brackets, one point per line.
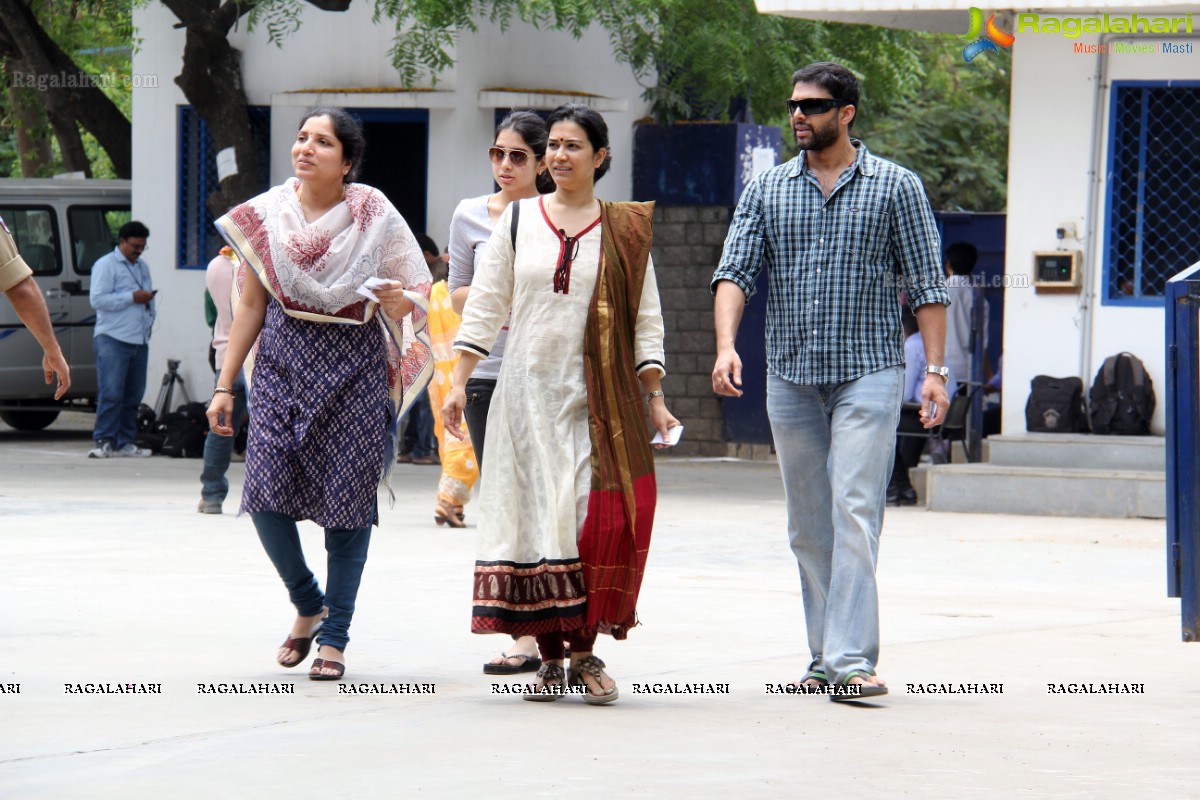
[198, 240]
[1153, 188]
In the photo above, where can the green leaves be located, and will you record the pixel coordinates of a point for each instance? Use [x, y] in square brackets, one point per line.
[953, 132]
[922, 106]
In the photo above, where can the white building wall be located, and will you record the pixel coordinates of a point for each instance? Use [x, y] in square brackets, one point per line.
[1050, 159]
[179, 329]
[344, 50]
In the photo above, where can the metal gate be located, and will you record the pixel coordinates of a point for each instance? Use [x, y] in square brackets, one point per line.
[1183, 446]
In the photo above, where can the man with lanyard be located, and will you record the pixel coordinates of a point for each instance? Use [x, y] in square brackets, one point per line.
[123, 296]
[840, 232]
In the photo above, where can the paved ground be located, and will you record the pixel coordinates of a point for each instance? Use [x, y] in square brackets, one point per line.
[110, 576]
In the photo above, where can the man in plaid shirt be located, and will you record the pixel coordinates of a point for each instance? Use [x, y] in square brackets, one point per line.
[841, 233]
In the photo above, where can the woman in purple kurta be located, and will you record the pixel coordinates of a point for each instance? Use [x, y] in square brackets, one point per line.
[330, 375]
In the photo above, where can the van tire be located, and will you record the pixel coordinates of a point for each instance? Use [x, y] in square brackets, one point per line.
[28, 420]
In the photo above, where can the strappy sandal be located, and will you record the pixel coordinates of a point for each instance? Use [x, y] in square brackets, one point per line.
[528, 664]
[315, 674]
[544, 691]
[846, 691]
[593, 667]
[449, 515]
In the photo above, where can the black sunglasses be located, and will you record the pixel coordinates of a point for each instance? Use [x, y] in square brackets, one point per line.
[517, 157]
[815, 105]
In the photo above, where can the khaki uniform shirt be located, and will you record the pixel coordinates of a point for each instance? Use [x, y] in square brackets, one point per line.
[13, 268]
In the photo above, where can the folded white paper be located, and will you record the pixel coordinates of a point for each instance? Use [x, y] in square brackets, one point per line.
[673, 436]
[374, 283]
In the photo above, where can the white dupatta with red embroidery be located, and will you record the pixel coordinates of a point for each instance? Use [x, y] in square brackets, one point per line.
[314, 270]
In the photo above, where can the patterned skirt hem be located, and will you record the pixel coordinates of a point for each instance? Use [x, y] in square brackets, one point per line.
[525, 599]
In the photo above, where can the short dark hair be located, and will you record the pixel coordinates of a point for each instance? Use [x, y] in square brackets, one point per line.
[428, 245]
[533, 131]
[833, 78]
[961, 257]
[133, 230]
[593, 125]
[349, 131]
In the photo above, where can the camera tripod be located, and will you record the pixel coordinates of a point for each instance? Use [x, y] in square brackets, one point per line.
[163, 404]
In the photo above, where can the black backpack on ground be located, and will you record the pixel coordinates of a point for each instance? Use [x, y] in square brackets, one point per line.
[1055, 406]
[1122, 397]
[148, 436]
[183, 431]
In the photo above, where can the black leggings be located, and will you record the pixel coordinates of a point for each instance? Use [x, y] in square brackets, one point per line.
[479, 400]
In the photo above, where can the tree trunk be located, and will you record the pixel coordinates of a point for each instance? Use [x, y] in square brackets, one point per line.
[33, 147]
[211, 79]
[70, 143]
[70, 94]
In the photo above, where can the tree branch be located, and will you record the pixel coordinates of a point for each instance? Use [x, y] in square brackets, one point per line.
[197, 12]
[73, 95]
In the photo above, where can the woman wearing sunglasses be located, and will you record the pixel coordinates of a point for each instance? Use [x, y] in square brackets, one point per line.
[516, 156]
[569, 490]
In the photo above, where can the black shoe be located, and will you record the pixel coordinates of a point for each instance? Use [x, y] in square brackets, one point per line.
[901, 497]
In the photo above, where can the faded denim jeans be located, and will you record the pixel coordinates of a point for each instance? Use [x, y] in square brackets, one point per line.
[121, 383]
[218, 450]
[836, 447]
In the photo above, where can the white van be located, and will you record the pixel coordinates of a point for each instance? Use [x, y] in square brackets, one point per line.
[61, 227]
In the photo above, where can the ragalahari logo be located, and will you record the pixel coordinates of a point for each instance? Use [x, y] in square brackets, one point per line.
[985, 37]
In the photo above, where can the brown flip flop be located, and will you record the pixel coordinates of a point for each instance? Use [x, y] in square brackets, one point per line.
[314, 673]
[301, 644]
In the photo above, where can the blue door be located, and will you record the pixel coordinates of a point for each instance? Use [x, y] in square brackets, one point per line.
[1183, 446]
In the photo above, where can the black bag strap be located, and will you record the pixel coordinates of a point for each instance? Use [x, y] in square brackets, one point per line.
[512, 226]
[1108, 373]
[1137, 370]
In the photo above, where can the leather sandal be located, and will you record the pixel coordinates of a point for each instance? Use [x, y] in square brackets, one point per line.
[448, 515]
[594, 667]
[301, 644]
[314, 672]
[549, 686]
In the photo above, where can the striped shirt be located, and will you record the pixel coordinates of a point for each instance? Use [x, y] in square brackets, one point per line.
[835, 265]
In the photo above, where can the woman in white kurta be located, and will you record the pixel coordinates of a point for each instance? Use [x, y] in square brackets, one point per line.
[577, 338]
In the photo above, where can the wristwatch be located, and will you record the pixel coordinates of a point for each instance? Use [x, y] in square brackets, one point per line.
[655, 393]
[944, 372]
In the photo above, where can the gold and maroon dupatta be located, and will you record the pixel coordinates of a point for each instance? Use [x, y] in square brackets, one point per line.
[615, 538]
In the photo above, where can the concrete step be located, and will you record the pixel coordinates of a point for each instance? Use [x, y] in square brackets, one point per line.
[1003, 489]
[1079, 451]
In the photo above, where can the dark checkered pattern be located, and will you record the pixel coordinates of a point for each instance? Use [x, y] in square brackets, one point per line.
[835, 265]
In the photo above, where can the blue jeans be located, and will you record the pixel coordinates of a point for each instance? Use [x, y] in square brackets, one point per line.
[218, 450]
[417, 426]
[121, 379]
[346, 554]
[835, 444]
